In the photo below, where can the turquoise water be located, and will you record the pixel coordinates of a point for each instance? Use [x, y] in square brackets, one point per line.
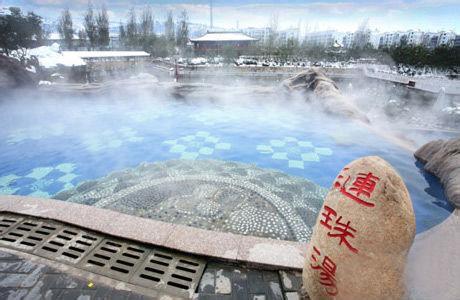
[50, 144]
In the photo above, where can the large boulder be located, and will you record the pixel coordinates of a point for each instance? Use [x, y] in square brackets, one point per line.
[442, 158]
[14, 75]
[318, 86]
[362, 236]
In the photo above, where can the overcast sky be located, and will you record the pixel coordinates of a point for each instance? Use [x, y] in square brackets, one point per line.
[344, 15]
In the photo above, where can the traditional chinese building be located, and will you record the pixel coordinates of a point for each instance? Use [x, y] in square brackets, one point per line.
[217, 41]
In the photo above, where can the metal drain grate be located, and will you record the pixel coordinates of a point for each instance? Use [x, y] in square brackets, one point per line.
[7, 222]
[115, 259]
[137, 264]
[69, 245]
[175, 273]
[28, 234]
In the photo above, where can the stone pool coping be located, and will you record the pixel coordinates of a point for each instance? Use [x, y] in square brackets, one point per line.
[255, 251]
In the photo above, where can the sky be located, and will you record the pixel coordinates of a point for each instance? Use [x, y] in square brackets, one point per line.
[342, 15]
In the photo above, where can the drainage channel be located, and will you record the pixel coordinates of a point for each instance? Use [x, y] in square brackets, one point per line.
[143, 265]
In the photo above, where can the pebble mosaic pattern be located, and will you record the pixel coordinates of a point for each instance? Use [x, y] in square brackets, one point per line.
[40, 180]
[295, 152]
[209, 194]
[202, 143]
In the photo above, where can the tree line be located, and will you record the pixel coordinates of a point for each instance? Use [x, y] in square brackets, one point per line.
[137, 34]
[94, 35]
[140, 34]
[445, 57]
[20, 30]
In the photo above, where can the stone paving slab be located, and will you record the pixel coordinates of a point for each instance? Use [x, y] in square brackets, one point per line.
[23, 276]
[226, 281]
[231, 247]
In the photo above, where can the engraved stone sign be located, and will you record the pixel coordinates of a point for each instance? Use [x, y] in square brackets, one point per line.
[362, 235]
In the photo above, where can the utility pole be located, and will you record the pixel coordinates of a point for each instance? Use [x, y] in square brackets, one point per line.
[210, 10]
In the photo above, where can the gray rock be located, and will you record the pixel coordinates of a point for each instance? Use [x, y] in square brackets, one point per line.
[442, 158]
[318, 86]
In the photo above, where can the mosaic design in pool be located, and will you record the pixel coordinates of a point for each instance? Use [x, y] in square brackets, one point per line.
[192, 146]
[296, 153]
[210, 194]
[41, 181]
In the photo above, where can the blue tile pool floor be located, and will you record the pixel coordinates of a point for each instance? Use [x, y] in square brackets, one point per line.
[50, 145]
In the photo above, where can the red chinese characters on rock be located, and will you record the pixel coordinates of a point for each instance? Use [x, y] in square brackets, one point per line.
[361, 188]
[327, 269]
[337, 228]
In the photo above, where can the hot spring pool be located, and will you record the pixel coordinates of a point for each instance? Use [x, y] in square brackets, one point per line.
[248, 166]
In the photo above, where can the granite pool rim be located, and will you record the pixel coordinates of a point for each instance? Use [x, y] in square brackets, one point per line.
[254, 251]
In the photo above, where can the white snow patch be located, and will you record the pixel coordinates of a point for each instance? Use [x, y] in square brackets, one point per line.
[31, 69]
[5, 11]
[107, 54]
[49, 57]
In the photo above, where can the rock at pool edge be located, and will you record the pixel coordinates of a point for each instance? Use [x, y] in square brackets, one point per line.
[362, 235]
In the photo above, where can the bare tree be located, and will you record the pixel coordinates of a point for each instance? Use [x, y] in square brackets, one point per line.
[273, 35]
[169, 27]
[102, 22]
[65, 28]
[146, 22]
[131, 28]
[182, 30]
[90, 26]
[82, 38]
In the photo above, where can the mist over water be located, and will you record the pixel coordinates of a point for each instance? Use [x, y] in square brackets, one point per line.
[97, 134]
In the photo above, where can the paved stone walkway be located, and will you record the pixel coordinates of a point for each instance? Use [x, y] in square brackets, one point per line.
[221, 281]
[24, 277]
[21, 278]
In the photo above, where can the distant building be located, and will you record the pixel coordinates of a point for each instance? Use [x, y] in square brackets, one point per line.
[362, 37]
[288, 34]
[261, 34]
[446, 38]
[457, 41]
[348, 39]
[390, 39]
[56, 38]
[217, 41]
[324, 38]
[414, 37]
[434, 41]
[427, 37]
[103, 64]
[374, 39]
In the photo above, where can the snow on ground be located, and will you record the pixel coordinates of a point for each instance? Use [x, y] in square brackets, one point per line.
[5, 11]
[106, 54]
[49, 56]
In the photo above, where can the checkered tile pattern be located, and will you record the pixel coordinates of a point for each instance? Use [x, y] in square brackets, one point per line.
[296, 153]
[40, 182]
[201, 143]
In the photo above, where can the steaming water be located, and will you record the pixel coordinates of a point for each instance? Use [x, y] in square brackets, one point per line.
[50, 144]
